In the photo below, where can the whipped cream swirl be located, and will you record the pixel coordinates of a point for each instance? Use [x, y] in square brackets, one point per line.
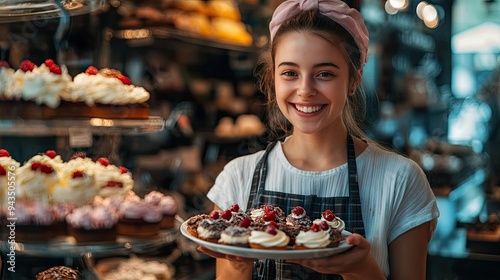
[313, 239]
[269, 240]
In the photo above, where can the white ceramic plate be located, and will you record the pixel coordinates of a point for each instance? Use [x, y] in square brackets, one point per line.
[269, 254]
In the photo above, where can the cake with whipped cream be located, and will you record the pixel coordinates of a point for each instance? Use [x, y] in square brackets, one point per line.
[139, 217]
[48, 91]
[210, 229]
[8, 182]
[236, 235]
[332, 220]
[271, 238]
[93, 223]
[316, 237]
[34, 221]
[168, 207]
[38, 176]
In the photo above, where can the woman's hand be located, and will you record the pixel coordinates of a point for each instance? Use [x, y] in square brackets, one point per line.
[229, 266]
[355, 263]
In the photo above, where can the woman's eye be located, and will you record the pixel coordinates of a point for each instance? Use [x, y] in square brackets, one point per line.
[289, 73]
[325, 74]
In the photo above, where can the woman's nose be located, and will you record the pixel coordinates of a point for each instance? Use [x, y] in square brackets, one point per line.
[306, 88]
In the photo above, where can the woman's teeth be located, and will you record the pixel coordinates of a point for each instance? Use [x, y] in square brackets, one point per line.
[308, 109]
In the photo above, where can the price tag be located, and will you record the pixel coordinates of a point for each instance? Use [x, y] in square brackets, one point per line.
[80, 137]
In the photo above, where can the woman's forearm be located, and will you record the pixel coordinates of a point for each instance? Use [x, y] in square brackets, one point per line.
[231, 270]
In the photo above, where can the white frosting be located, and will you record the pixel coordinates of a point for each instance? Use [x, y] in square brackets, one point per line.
[313, 239]
[88, 217]
[9, 165]
[41, 85]
[5, 79]
[36, 184]
[79, 190]
[256, 213]
[227, 238]
[105, 90]
[337, 223]
[268, 240]
[111, 173]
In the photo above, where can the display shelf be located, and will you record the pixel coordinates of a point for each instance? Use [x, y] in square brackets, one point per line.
[178, 35]
[62, 127]
[68, 247]
[25, 10]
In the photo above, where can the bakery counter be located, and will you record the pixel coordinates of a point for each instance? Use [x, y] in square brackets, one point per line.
[64, 127]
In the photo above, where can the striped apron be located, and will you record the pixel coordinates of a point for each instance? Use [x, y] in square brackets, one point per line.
[349, 208]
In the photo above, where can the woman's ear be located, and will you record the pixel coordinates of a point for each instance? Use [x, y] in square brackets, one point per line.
[355, 82]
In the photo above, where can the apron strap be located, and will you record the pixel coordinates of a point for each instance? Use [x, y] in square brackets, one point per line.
[259, 178]
[354, 219]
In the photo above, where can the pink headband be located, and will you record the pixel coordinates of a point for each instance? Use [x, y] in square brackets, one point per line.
[338, 11]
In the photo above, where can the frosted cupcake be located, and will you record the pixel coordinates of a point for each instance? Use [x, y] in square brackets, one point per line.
[333, 221]
[39, 175]
[8, 169]
[167, 205]
[139, 218]
[111, 179]
[34, 221]
[6, 74]
[93, 224]
[314, 238]
[44, 84]
[271, 238]
[210, 229]
[106, 86]
[236, 235]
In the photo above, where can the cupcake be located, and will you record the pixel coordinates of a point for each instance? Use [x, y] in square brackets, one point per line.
[262, 216]
[6, 74]
[34, 221]
[92, 224]
[334, 234]
[314, 238]
[139, 218]
[271, 238]
[237, 215]
[296, 221]
[211, 228]
[236, 235]
[39, 175]
[335, 222]
[77, 184]
[193, 222]
[58, 273]
[8, 172]
[167, 205]
[111, 179]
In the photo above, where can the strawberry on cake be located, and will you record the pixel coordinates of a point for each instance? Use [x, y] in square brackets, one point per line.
[329, 217]
[210, 229]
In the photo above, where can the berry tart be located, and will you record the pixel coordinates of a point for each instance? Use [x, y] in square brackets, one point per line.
[236, 235]
[333, 221]
[210, 229]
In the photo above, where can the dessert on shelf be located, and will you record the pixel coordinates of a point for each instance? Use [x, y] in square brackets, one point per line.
[58, 272]
[47, 91]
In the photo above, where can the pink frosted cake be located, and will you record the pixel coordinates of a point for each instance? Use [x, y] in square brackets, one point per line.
[93, 224]
[167, 205]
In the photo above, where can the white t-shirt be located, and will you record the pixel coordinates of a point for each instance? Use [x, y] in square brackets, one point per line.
[395, 194]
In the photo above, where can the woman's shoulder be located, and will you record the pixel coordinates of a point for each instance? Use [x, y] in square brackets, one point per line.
[248, 160]
[384, 156]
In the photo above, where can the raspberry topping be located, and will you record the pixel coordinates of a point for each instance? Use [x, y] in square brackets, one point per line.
[123, 169]
[77, 174]
[324, 225]
[271, 230]
[55, 69]
[298, 210]
[328, 215]
[51, 153]
[234, 208]
[3, 172]
[214, 215]
[124, 79]
[245, 222]
[91, 70]
[315, 227]
[271, 216]
[226, 215]
[103, 161]
[78, 155]
[49, 62]
[4, 153]
[273, 224]
[27, 65]
[268, 208]
[44, 168]
[4, 64]
[114, 184]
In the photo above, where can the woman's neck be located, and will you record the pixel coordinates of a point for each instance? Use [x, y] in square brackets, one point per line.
[314, 152]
